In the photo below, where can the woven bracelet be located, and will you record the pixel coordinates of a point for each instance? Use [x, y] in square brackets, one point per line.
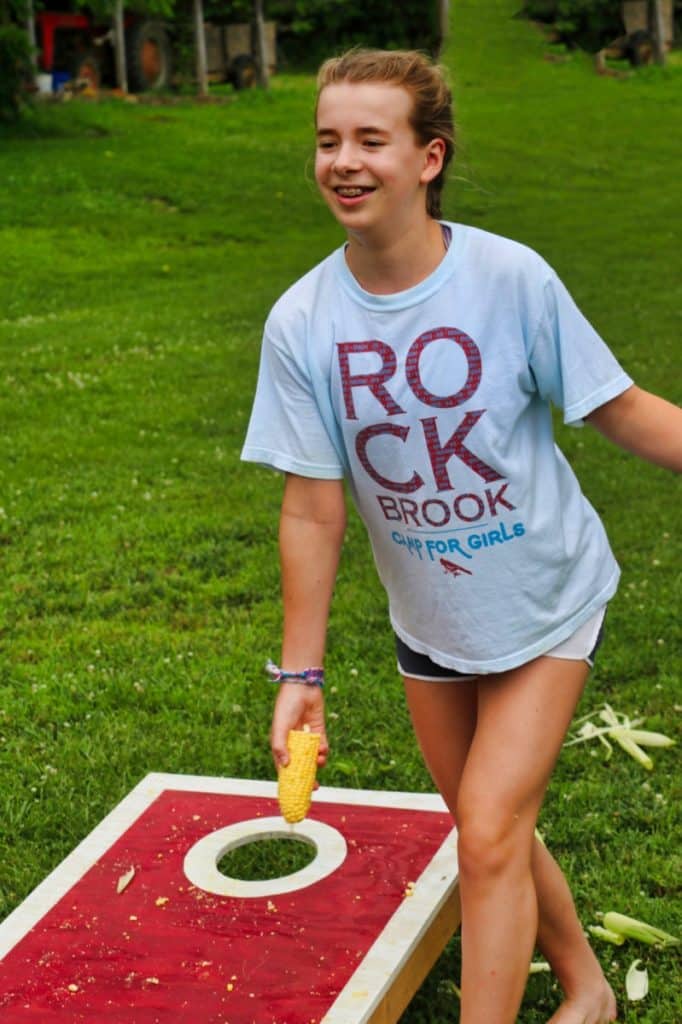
[307, 676]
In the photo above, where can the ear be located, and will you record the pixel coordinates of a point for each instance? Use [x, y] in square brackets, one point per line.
[434, 154]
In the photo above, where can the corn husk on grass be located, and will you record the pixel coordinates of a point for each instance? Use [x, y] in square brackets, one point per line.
[297, 779]
[636, 981]
[619, 928]
[631, 928]
[620, 729]
[616, 928]
[606, 934]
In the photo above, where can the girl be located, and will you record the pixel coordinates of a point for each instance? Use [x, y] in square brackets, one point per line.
[418, 362]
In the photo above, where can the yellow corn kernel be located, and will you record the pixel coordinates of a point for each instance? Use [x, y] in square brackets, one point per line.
[296, 780]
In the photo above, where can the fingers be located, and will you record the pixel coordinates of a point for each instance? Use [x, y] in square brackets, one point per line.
[280, 752]
[323, 750]
[281, 724]
[297, 705]
[279, 749]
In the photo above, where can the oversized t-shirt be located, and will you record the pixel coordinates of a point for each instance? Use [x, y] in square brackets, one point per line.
[434, 403]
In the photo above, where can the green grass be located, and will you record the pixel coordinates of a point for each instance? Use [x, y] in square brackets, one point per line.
[142, 247]
[267, 858]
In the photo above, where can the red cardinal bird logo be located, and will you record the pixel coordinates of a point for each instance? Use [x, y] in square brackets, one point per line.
[454, 569]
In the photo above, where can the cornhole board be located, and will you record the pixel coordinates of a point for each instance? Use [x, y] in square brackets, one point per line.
[346, 940]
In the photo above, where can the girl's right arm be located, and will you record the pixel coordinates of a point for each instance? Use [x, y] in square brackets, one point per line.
[644, 424]
[312, 526]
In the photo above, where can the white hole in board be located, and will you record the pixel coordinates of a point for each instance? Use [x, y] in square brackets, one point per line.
[201, 861]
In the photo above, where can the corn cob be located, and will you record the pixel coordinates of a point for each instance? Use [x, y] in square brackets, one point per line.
[647, 739]
[603, 933]
[624, 731]
[633, 749]
[631, 928]
[296, 779]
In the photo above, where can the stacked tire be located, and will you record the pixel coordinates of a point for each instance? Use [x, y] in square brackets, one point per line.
[148, 56]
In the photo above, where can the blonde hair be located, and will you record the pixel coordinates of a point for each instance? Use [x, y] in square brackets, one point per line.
[431, 116]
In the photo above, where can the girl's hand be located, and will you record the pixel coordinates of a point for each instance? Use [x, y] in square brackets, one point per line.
[297, 705]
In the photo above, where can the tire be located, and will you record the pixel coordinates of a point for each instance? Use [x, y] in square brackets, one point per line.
[148, 56]
[639, 49]
[243, 72]
[87, 66]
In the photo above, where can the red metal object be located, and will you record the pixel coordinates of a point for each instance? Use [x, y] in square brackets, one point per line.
[49, 22]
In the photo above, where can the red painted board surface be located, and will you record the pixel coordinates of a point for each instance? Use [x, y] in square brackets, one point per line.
[165, 951]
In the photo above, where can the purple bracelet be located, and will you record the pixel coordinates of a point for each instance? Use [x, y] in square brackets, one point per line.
[308, 676]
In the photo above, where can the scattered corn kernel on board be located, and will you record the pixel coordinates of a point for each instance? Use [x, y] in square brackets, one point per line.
[132, 928]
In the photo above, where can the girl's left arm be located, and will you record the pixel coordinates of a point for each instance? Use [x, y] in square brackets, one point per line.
[643, 424]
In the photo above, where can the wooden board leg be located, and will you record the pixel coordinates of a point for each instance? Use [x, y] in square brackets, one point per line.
[440, 931]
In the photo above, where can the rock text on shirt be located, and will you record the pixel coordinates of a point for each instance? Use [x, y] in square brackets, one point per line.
[430, 514]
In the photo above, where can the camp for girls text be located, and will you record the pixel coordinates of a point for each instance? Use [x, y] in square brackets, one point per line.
[434, 547]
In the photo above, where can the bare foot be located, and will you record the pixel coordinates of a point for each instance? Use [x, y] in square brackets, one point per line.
[596, 1007]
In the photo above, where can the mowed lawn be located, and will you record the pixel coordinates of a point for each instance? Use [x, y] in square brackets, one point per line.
[142, 246]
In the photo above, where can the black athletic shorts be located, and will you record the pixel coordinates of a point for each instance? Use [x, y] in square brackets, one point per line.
[420, 666]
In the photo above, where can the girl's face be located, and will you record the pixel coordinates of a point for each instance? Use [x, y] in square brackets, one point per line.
[369, 166]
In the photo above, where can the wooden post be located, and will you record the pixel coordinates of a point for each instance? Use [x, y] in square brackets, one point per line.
[261, 48]
[120, 47]
[443, 22]
[656, 8]
[31, 32]
[200, 45]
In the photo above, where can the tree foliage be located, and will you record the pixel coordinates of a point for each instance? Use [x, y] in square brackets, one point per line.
[105, 8]
[590, 24]
[308, 30]
[15, 69]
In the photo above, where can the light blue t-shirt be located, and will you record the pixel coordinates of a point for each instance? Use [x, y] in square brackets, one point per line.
[434, 403]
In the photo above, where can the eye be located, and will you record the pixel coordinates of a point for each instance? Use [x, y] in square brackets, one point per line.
[325, 144]
[374, 143]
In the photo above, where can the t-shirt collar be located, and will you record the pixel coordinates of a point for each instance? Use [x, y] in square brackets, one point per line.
[409, 296]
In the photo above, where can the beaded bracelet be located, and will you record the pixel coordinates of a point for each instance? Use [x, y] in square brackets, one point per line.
[308, 676]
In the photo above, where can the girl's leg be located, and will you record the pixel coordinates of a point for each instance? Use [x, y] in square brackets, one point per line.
[444, 716]
[522, 719]
[444, 721]
[589, 998]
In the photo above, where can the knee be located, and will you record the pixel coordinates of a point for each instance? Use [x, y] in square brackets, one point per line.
[490, 845]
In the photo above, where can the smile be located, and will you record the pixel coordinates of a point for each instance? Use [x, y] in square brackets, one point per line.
[352, 191]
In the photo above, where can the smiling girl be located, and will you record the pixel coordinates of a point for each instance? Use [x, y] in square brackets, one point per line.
[418, 363]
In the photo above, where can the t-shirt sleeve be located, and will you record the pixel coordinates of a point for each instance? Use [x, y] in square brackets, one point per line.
[572, 365]
[286, 430]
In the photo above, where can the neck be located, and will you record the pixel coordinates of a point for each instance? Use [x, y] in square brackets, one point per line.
[393, 263]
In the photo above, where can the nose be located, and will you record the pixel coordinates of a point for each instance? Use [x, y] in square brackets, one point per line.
[347, 158]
